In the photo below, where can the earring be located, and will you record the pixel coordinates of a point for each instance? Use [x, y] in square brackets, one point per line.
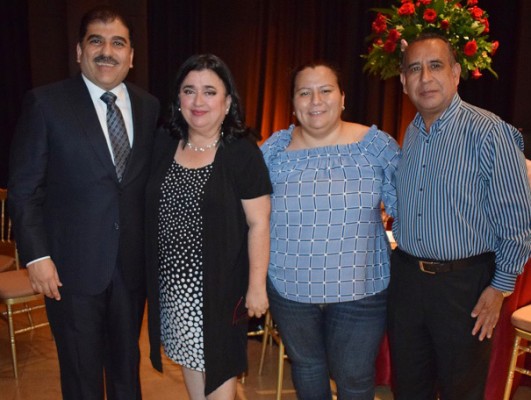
[293, 112]
[179, 109]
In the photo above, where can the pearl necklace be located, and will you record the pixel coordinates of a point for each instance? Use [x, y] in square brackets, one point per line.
[202, 149]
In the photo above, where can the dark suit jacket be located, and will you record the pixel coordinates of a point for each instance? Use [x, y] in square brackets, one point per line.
[64, 195]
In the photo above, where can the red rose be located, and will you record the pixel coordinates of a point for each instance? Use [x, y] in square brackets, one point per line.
[494, 48]
[425, 2]
[476, 13]
[445, 24]
[470, 48]
[430, 15]
[380, 24]
[389, 46]
[485, 22]
[378, 42]
[394, 35]
[472, 2]
[406, 9]
[476, 74]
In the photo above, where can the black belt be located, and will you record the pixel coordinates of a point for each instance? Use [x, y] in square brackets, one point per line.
[436, 267]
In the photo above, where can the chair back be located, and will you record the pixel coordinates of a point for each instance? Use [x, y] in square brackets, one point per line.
[7, 241]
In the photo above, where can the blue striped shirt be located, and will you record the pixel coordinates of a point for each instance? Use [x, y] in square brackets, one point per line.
[328, 243]
[462, 190]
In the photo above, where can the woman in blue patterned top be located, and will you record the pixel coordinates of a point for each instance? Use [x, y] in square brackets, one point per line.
[329, 264]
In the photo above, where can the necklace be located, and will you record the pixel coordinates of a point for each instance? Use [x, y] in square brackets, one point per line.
[202, 149]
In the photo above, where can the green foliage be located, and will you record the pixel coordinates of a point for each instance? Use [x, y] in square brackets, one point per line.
[465, 26]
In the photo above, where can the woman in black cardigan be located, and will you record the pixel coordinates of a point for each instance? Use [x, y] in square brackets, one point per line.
[208, 209]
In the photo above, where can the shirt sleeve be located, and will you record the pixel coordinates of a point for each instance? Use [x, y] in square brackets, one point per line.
[252, 176]
[277, 141]
[508, 203]
[389, 157]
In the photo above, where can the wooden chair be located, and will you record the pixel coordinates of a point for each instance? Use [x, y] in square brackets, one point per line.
[271, 334]
[7, 245]
[521, 320]
[7, 263]
[259, 331]
[15, 287]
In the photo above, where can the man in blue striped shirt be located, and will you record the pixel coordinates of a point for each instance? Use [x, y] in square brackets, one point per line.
[463, 231]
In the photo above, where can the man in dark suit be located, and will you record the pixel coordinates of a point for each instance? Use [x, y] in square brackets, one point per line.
[78, 168]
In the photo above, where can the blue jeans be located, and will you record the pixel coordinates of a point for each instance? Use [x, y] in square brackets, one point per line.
[337, 340]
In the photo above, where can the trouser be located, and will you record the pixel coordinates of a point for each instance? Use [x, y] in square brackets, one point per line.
[430, 330]
[96, 336]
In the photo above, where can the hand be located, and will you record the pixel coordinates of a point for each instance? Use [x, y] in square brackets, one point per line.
[44, 278]
[487, 312]
[256, 301]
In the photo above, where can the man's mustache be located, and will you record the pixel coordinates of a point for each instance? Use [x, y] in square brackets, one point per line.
[106, 60]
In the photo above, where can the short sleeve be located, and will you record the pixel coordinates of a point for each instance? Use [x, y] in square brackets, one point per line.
[276, 143]
[388, 153]
[251, 176]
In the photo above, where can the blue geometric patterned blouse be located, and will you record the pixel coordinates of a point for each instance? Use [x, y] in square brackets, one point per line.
[328, 243]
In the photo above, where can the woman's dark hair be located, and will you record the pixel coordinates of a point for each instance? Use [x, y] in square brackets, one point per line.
[103, 14]
[315, 64]
[233, 125]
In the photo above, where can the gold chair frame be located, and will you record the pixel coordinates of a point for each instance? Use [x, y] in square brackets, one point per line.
[7, 246]
[10, 312]
[271, 334]
[518, 350]
[17, 278]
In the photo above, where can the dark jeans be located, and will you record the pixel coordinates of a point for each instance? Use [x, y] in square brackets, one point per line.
[430, 331]
[337, 340]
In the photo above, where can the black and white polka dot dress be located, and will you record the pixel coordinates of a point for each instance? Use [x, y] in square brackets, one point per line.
[180, 265]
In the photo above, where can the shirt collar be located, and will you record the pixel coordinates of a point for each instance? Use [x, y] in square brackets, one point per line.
[445, 117]
[96, 92]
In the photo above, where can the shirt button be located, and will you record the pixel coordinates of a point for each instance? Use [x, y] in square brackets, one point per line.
[116, 226]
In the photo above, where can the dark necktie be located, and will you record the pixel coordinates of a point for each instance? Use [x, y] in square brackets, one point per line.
[117, 134]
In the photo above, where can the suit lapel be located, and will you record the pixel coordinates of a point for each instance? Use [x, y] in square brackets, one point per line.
[83, 109]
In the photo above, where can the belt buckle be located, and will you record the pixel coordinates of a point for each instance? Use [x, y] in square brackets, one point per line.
[421, 266]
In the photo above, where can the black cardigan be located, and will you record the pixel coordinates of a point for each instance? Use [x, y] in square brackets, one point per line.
[239, 172]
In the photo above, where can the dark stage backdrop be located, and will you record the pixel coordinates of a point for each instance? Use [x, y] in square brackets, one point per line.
[261, 41]
[15, 76]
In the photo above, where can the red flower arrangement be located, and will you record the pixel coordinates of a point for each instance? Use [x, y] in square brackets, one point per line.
[465, 26]
[430, 15]
[470, 48]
